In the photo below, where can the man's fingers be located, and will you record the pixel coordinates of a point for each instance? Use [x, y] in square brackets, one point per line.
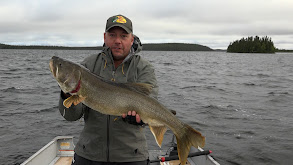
[132, 117]
[138, 120]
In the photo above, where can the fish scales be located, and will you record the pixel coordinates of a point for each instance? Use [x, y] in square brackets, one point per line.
[115, 99]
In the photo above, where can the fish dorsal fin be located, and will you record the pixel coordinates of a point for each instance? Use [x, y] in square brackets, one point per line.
[137, 87]
[158, 132]
[143, 88]
[140, 87]
[75, 99]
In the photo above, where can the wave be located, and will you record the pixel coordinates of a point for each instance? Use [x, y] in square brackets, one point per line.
[278, 93]
[18, 89]
[10, 89]
[20, 111]
[32, 69]
[13, 70]
[190, 87]
[198, 124]
[167, 63]
[262, 75]
[221, 107]
[249, 84]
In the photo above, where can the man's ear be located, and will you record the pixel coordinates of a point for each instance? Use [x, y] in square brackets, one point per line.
[132, 39]
[104, 39]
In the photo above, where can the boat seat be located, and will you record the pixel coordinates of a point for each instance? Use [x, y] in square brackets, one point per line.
[173, 162]
[64, 161]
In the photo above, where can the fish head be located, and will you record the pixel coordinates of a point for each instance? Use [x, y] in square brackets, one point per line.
[66, 73]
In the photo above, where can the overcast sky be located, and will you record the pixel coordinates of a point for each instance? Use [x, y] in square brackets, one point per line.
[213, 23]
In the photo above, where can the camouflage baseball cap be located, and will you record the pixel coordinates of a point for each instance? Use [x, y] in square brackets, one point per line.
[120, 21]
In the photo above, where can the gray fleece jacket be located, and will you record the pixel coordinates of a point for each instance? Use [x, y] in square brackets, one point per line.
[104, 138]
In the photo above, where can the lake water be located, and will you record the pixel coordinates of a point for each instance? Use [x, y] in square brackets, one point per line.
[242, 103]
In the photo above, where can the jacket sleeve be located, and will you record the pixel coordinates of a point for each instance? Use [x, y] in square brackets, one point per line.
[72, 113]
[146, 74]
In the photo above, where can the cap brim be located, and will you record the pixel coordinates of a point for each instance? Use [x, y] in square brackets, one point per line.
[122, 26]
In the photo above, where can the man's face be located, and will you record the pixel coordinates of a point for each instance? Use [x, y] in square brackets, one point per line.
[119, 41]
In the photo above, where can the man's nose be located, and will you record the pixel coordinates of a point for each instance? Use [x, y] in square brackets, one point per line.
[118, 40]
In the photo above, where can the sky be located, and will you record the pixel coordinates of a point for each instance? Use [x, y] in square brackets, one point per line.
[213, 23]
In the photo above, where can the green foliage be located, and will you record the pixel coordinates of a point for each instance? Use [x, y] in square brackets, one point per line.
[283, 50]
[252, 45]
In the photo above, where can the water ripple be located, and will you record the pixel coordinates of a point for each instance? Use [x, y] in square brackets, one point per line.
[242, 103]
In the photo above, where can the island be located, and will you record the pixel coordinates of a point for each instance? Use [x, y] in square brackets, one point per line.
[252, 45]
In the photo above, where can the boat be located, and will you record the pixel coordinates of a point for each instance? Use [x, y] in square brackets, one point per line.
[60, 151]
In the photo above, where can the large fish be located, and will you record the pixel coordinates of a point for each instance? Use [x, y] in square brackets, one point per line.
[118, 98]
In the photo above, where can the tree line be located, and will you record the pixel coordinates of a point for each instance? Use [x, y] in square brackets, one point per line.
[252, 45]
[175, 47]
[152, 47]
[4, 46]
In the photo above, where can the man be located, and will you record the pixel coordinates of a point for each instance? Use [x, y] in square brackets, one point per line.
[106, 139]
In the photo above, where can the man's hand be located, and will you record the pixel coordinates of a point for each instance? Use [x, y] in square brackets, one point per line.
[133, 118]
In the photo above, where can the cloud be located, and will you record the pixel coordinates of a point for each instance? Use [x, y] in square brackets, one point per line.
[211, 22]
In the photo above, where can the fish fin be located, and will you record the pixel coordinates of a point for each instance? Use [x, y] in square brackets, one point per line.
[137, 87]
[158, 132]
[79, 100]
[140, 87]
[191, 137]
[75, 99]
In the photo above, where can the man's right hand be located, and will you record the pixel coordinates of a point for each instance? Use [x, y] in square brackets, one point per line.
[133, 118]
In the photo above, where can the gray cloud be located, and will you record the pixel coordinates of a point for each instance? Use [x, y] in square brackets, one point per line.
[212, 23]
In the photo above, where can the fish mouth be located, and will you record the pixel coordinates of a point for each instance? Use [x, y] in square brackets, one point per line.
[51, 64]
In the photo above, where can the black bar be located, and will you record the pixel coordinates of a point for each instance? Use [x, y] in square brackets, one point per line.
[176, 157]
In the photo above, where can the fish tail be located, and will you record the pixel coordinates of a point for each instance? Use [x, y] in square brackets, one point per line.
[189, 137]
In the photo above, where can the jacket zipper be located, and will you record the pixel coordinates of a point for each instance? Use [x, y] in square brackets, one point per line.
[108, 123]
[108, 139]
[113, 76]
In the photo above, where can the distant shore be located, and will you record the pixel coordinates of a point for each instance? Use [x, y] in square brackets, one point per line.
[146, 47]
[150, 47]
